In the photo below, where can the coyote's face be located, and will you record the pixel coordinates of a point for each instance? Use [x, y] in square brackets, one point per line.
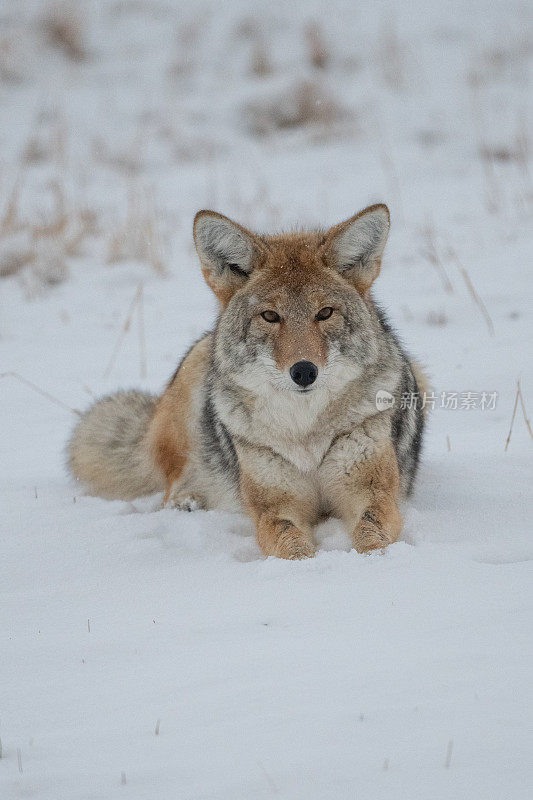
[295, 314]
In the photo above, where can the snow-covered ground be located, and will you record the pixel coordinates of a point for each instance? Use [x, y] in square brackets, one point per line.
[155, 654]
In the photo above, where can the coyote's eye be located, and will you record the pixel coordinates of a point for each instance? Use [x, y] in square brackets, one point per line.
[324, 313]
[271, 316]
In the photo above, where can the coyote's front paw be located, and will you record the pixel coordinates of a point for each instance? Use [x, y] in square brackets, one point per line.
[189, 504]
[293, 544]
[370, 534]
[181, 503]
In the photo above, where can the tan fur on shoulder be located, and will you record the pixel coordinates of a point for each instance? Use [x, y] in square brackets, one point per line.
[171, 436]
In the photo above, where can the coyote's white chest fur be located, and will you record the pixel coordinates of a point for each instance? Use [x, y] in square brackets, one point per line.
[289, 426]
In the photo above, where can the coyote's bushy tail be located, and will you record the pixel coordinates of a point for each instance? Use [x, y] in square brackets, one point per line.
[108, 451]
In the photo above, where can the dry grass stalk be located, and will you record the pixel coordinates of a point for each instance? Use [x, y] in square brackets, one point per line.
[389, 168]
[35, 151]
[305, 105]
[19, 760]
[273, 787]
[493, 195]
[40, 391]
[142, 337]
[260, 63]
[152, 244]
[394, 181]
[185, 64]
[46, 143]
[127, 157]
[512, 422]
[522, 159]
[124, 330]
[15, 254]
[65, 28]
[448, 444]
[157, 727]
[432, 254]
[526, 418]
[37, 249]
[437, 318]
[48, 268]
[392, 58]
[138, 239]
[247, 28]
[477, 299]
[449, 751]
[316, 46]
[10, 219]
[10, 61]
[518, 397]
[493, 199]
[55, 223]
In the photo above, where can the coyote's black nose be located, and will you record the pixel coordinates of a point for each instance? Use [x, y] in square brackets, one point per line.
[304, 373]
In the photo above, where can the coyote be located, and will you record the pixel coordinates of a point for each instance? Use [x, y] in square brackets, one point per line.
[275, 411]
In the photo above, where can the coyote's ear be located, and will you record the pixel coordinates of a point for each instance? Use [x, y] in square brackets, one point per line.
[228, 252]
[355, 247]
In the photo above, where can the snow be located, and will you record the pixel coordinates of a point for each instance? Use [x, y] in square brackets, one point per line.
[404, 674]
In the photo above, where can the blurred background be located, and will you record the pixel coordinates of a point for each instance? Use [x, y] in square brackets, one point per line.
[121, 118]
